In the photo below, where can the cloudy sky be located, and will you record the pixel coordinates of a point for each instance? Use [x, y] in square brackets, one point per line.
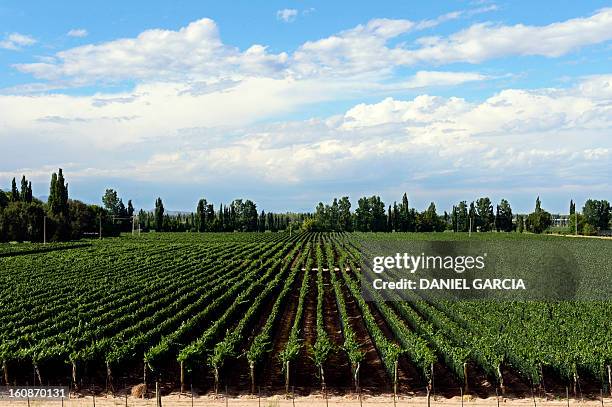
[290, 103]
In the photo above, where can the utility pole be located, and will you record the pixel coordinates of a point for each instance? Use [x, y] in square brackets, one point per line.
[45, 229]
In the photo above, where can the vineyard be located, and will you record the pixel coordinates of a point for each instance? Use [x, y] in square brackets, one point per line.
[274, 313]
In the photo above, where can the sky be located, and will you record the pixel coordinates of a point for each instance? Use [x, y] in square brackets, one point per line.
[289, 103]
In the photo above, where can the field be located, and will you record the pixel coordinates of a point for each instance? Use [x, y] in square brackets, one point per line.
[275, 313]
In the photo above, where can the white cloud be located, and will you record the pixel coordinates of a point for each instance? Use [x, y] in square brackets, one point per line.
[78, 33]
[485, 41]
[196, 52]
[198, 105]
[365, 47]
[16, 41]
[560, 135]
[287, 15]
[193, 51]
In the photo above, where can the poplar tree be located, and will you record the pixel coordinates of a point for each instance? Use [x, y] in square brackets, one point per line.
[159, 215]
[130, 209]
[24, 189]
[14, 192]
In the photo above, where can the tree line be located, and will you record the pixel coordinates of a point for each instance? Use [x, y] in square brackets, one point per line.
[26, 218]
[479, 216]
[239, 215]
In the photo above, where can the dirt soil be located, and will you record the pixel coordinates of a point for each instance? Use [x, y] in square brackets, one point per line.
[176, 400]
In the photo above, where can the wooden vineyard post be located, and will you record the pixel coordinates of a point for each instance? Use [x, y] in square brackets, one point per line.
[293, 396]
[109, 379]
[94, 399]
[226, 397]
[74, 375]
[542, 387]
[126, 397]
[216, 382]
[357, 376]
[191, 388]
[465, 377]
[144, 380]
[501, 378]
[258, 396]
[428, 396]
[252, 369]
[182, 377]
[497, 397]
[158, 401]
[567, 395]
[432, 381]
[5, 372]
[287, 379]
[326, 399]
[601, 397]
[461, 391]
[37, 375]
[394, 382]
[610, 379]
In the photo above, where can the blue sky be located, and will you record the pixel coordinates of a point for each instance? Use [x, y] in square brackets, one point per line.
[291, 103]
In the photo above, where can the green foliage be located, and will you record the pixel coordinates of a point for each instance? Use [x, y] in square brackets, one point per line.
[293, 345]
[503, 218]
[197, 298]
[539, 220]
[597, 214]
[323, 345]
[485, 218]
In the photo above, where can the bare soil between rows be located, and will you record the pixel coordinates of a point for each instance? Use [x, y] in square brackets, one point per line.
[351, 400]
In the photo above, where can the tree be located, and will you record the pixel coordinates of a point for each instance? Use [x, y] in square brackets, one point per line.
[571, 225]
[130, 209]
[14, 192]
[58, 194]
[121, 211]
[201, 218]
[504, 216]
[4, 200]
[472, 217]
[460, 217]
[429, 221]
[485, 218]
[261, 222]
[111, 202]
[249, 216]
[404, 221]
[58, 210]
[84, 220]
[159, 215]
[22, 221]
[572, 207]
[379, 216]
[363, 215]
[539, 220]
[334, 216]
[23, 196]
[597, 213]
[344, 214]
